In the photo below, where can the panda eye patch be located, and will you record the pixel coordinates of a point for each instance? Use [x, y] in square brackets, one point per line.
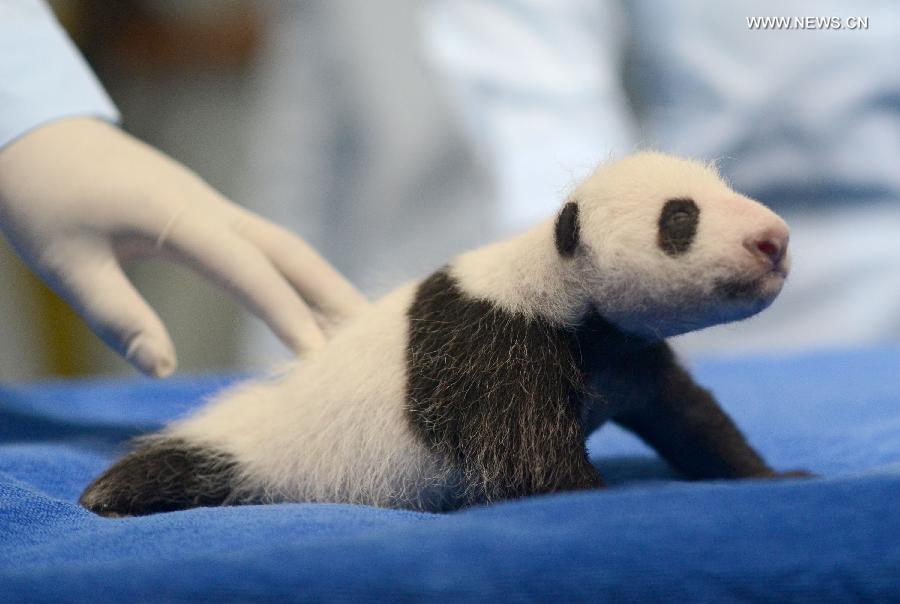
[677, 225]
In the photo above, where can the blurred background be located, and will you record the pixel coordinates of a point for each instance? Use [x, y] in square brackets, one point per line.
[392, 135]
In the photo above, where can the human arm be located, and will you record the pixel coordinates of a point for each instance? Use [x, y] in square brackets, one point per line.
[78, 197]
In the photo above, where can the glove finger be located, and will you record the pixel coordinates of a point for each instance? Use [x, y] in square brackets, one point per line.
[316, 280]
[247, 274]
[102, 294]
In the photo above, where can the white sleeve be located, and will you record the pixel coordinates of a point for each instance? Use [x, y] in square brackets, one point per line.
[42, 75]
[538, 86]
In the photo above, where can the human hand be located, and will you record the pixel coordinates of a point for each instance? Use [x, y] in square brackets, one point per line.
[78, 197]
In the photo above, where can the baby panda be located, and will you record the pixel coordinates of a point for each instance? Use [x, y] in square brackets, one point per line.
[481, 382]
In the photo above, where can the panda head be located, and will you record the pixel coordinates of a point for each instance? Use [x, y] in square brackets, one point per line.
[663, 246]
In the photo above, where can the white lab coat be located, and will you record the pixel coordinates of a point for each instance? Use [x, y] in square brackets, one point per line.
[393, 138]
[807, 121]
[42, 75]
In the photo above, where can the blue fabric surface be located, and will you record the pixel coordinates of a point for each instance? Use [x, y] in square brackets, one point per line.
[649, 536]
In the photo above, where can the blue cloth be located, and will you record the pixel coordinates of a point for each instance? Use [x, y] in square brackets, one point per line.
[648, 537]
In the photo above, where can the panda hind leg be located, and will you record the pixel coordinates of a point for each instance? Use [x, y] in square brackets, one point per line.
[164, 474]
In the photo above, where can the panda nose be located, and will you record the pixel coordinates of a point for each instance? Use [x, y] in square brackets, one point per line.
[769, 246]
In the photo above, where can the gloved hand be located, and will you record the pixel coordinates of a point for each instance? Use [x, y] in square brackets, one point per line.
[79, 196]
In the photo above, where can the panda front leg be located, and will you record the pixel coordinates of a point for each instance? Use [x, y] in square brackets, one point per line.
[689, 429]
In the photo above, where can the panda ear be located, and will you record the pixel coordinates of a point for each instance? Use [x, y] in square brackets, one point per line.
[567, 230]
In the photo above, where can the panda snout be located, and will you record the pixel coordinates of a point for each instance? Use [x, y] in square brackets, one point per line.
[769, 247]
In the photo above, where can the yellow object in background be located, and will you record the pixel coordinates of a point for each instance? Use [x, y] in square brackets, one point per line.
[61, 332]
[40, 336]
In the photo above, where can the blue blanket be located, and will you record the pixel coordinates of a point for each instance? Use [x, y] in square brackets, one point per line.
[650, 536]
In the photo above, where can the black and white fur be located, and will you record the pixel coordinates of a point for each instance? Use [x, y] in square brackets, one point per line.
[481, 382]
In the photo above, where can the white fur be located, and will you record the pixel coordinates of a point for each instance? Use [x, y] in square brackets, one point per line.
[642, 289]
[334, 426]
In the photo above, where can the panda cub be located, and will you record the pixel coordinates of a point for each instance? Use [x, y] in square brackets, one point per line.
[481, 382]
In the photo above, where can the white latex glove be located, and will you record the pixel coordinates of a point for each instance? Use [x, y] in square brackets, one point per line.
[79, 196]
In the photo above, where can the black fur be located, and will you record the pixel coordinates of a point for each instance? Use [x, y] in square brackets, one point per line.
[567, 232]
[678, 225]
[162, 476]
[654, 397]
[498, 395]
[503, 397]
[640, 384]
